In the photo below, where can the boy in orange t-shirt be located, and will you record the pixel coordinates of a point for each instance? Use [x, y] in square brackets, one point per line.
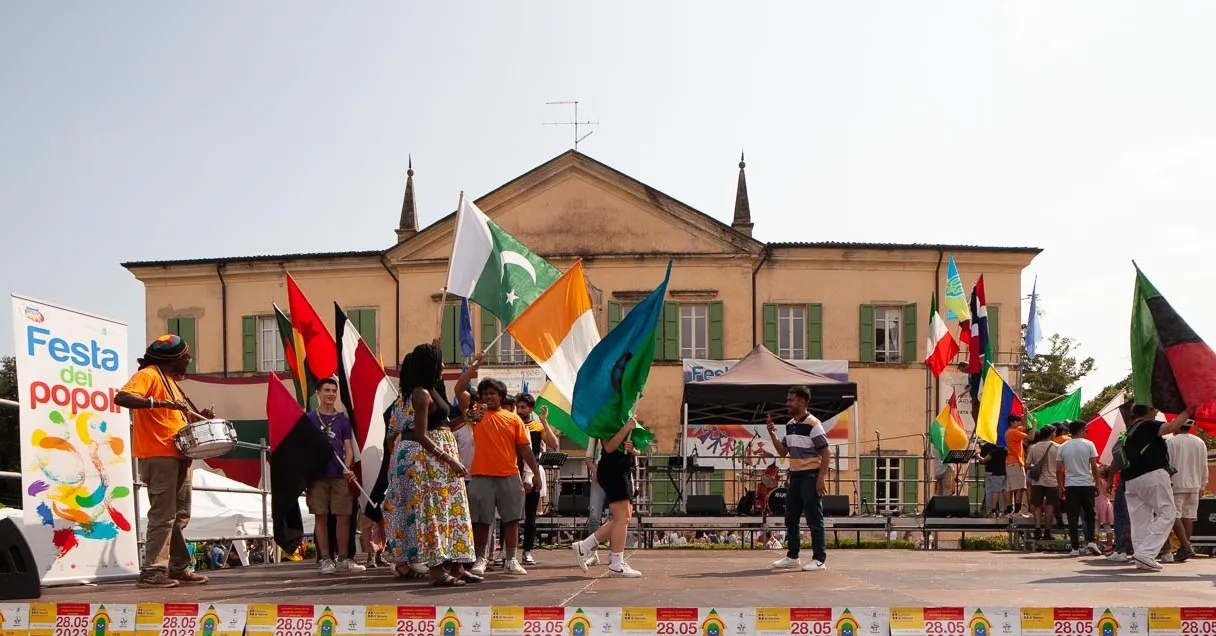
[1015, 461]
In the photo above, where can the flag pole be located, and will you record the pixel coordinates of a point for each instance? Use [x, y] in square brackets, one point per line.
[495, 341]
[444, 299]
[357, 484]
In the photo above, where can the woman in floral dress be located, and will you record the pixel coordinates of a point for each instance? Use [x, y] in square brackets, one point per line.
[429, 523]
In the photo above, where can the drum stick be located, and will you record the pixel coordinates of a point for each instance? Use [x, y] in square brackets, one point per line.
[357, 484]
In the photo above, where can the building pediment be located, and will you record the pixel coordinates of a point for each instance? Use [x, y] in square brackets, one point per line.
[576, 206]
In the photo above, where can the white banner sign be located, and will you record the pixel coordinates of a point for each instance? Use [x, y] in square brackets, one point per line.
[697, 370]
[960, 383]
[530, 379]
[77, 497]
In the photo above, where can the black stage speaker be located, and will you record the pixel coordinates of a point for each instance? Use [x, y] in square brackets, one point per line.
[1205, 524]
[18, 571]
[953, 506]
[835, 505]
[575, 505]
[706, 505]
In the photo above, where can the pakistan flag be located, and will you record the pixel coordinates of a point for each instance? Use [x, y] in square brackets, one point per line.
[492, 269]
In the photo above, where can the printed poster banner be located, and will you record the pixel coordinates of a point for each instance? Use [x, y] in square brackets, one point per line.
[739, 446]
[697, 370]
[81, 619]
[960, 383]
[76, 482]
[517, 379]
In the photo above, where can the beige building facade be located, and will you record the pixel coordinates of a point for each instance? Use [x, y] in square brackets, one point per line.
[867, 304]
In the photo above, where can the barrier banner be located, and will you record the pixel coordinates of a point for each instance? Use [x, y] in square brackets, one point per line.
[79, 509]
[1181, 621]
[955, 621]
[825, 621]
[1083, 621]
[81, 619]
[14, 619]
[189, 619]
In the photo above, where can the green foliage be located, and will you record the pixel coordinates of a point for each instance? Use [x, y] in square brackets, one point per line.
[1054, 372]
[1108, 393]
[988, 543]
[10, 430]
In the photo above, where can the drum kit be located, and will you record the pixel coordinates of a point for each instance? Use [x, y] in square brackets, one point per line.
[768, 497]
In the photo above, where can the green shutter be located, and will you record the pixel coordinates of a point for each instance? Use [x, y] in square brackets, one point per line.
[910, 485]
[770, 326]
[909, 351]
[614, 314]
[867, 485]
[814, 331]
[975, 488]
[365, 323]
[717, 315]
[249, 343]
[186, 329]
[716, 486]
[489, 331]
[671, 331]
[449, 334]
[994, 331]
[865, 333]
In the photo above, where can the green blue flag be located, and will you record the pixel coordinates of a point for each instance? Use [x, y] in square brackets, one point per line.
[611, 379]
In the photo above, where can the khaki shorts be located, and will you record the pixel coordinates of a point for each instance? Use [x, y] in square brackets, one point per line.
[330, 495]
[1187, 504]
[1015, 477]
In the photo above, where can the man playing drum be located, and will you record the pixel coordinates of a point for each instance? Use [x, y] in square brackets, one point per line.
[158, 411]
[330, 494]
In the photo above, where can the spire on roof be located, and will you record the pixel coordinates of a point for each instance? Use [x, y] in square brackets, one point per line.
[408, 225]
[743, 211]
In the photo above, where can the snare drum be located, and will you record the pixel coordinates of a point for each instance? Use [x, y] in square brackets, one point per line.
[206, 439]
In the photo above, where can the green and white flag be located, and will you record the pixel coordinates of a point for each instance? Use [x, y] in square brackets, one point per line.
[492, 269]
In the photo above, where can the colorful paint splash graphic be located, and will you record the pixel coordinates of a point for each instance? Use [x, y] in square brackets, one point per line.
[76, 458]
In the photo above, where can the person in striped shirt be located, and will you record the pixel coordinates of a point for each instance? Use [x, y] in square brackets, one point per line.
[806, 445]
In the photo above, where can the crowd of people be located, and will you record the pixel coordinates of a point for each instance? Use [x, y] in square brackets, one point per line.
[1139, 505]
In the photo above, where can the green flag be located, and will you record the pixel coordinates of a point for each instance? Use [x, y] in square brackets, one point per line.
[1062, 410]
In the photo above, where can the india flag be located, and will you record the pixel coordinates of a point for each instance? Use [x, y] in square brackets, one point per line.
[559, 414]
[558, 331]
[492, 268]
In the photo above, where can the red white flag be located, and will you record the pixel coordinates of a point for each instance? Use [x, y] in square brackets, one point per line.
[941, 347]
[1105, 427]
[367, 392]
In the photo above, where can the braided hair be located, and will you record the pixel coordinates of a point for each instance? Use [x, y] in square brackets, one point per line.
[422, 367]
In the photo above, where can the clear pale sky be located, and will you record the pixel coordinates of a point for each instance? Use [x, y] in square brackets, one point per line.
[148, 130]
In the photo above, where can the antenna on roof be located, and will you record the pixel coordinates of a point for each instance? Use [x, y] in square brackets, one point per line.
[574, 122]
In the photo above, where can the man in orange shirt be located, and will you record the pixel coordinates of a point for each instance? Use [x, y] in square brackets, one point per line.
[1015, 461]
[494, 485]
[158, 411]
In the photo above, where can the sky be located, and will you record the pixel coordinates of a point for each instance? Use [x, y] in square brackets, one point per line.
[147, 130]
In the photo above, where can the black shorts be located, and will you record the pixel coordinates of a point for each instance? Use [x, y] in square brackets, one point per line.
[617, 483]
[1045, 495]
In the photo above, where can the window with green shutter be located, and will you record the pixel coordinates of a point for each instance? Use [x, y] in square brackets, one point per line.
[717, 317]
[249, 343]
[671, 331]
[865, 334]
[909, 472]
[867, 486]
[994, 330]
[814, 331]
[614, 314]
[449, 334]
[489, 331]
[185, 328]
[909, 332]
[769, 314]
[364, 321]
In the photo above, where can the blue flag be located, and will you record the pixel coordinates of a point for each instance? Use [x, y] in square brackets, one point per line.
[1033, 332]
[466, 329]
[611, 379]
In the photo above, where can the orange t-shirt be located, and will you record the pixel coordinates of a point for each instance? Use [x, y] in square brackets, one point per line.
[1013, 441]
[153, 430]
[496, 438]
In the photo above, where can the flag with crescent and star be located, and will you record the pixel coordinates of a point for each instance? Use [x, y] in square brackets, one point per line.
[493, 269]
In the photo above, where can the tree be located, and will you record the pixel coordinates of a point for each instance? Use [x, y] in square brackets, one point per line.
[10, 430]
[1050, 375]
[1108, 393]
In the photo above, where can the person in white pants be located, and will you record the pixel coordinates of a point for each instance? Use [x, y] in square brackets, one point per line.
[1150, 497]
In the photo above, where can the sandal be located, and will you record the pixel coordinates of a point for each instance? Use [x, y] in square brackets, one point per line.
[404, 571]
[447, 581]
[469, 577]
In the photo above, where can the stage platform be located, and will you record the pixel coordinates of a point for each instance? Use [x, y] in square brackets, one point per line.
[719, 578]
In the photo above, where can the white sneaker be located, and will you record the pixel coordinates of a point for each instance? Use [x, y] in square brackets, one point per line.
[1148, 562]
[479, 567]
[327, 566]
[1168, 557]
[580, 555]
[528, 560]
[594, 559]
[625, 572]
[1076, 553]
[786, 562]
[348, 566]
[815, 566]
[1116, 557]
[511, 566]
[1093, 548]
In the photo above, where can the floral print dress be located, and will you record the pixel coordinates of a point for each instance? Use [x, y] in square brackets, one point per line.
[426, 506]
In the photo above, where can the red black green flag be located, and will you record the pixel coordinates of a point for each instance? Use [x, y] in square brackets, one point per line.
[293, 351]
[1172, 367]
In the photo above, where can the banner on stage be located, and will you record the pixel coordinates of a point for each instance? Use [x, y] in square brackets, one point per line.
[960, 383]
[739, 446]
[517, 379]
[76, 481]
[79, 619]
[189, 619]
[829, 621]
[697, 370]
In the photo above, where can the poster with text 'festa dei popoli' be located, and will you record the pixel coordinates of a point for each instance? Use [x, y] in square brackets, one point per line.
[76, 482]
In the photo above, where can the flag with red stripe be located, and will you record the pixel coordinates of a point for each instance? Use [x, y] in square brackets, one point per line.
[1106, 426]
[366, 392]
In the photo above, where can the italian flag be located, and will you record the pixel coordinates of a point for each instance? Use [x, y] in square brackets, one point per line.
[492, 268]
[941, 345]
[558, 330]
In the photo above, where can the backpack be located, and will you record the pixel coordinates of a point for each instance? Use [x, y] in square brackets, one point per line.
[1119, 458]
[1035, 470]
